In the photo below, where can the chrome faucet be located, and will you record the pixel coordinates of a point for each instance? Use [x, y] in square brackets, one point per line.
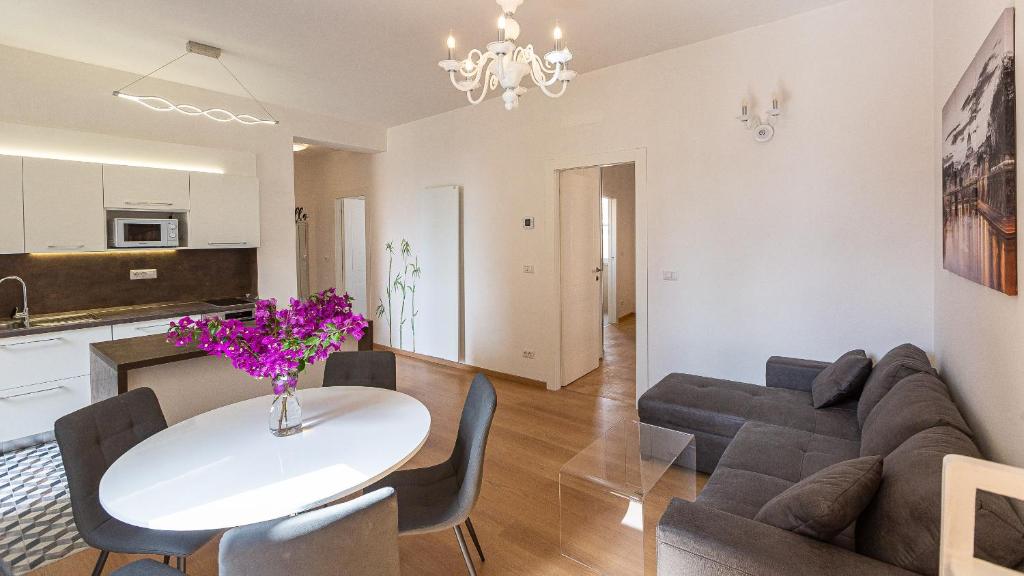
[23, 315]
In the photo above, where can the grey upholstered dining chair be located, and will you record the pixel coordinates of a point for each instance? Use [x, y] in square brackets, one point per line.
[375, 369]
[355, 538]
[90, 440]
[442, 496]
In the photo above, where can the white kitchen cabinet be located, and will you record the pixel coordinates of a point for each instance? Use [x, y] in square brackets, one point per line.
[44, 377]
[224, 211]
[12, 223]
[144, 328]
[31, 409]
[63, 206]
[49, 356]
[132, 188]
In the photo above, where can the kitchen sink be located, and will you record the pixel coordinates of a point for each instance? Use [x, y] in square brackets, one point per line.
[11, 323]
[62, 320]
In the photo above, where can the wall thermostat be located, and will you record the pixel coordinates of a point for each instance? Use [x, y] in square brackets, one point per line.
[528, 222]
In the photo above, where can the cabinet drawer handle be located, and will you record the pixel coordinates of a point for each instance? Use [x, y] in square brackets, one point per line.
[66, 246]
[227, 243]
[26, 343]
[141, 203]
[32, 393]
[154, 328]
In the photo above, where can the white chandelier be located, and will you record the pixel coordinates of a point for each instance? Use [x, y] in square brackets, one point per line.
[506, 64]
[160, 104]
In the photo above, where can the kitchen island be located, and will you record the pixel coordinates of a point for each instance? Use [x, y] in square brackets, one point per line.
[186, 380]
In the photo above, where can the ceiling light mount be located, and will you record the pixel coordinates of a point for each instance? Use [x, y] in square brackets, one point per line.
[193, 47]
[219, 114]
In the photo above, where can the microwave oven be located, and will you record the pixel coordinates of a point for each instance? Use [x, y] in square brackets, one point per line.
[144, 233]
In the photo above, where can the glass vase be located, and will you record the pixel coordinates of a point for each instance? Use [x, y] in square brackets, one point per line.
[285, 412]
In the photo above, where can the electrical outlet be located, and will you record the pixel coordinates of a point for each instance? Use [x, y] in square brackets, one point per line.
[146, 274]
[529, 354]
[528, 269]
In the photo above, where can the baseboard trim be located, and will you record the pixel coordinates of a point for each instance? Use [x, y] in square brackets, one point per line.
[461, 366]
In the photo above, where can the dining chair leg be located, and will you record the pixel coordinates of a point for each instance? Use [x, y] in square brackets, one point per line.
[182, 564]
[100, 563]
[465, 551]
[167, 560]
[476, 541]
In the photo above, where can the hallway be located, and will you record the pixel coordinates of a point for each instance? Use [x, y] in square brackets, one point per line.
[615, 378]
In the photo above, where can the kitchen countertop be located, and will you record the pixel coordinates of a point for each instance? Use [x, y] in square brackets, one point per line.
[110, 316]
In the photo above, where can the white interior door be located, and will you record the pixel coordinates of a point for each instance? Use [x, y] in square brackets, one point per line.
[353, 230]
[580, 226]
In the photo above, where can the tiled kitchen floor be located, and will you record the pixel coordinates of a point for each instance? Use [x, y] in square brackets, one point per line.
[36, 526]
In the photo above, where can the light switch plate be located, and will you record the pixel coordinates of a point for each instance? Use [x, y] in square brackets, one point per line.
[529, 222]
[670, 275]
[145, 274]
[528, 269]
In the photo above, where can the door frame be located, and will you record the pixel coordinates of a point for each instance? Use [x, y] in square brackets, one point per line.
[611, 271]
[637, 156]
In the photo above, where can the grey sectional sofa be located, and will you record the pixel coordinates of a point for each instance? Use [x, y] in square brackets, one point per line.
[757, 441]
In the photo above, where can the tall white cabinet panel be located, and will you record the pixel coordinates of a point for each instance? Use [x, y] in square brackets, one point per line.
[63, 206]
[225, 211]
[132, 188]
[12, 223]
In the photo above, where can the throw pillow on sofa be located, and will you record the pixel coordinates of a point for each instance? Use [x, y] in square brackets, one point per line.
[916, 403]
[901, 525]
[900, 362]
[826, 502]
[842, 380]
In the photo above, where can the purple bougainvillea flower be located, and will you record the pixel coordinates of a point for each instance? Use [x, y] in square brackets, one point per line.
[279, 341]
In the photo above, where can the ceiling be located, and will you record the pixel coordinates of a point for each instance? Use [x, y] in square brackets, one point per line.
[373, 61]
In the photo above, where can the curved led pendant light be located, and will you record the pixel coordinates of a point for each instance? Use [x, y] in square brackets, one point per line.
[219, 114]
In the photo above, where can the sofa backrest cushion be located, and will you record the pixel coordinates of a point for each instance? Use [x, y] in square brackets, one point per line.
[901, 525]
[842, 379]
[916, 403]
[902, 361]
[826, 502]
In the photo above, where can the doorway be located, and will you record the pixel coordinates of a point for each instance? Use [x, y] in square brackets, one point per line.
[350, 250]
[597, 280]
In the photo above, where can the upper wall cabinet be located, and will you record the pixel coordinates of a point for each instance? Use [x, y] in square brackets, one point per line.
[225, 211]
[63, 206]
[12, 222]
[131, 188]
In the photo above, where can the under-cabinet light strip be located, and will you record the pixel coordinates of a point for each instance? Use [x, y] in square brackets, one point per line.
[72, 157]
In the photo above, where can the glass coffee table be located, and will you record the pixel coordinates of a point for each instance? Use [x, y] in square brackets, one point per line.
[613, 492]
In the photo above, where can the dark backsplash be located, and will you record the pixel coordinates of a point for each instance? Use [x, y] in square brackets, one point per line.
[66, 282]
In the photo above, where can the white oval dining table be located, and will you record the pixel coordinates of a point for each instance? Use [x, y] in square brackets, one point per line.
[224, 468]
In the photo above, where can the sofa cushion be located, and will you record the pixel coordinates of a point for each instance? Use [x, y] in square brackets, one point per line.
[740, 492]
[902, 361]
[901, 525]
[916, 403]
[722, 407]
[842, 379]
[822, 505]
[785, 453]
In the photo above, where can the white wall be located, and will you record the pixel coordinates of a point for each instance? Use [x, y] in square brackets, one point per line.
[814, 244]
[978, 331]
[619, 182]
[41, 91]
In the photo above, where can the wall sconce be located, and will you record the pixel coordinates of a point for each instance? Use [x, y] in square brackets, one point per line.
[764, 131]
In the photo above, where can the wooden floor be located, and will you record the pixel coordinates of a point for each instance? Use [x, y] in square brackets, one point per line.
[616, 377]
[535, 432]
